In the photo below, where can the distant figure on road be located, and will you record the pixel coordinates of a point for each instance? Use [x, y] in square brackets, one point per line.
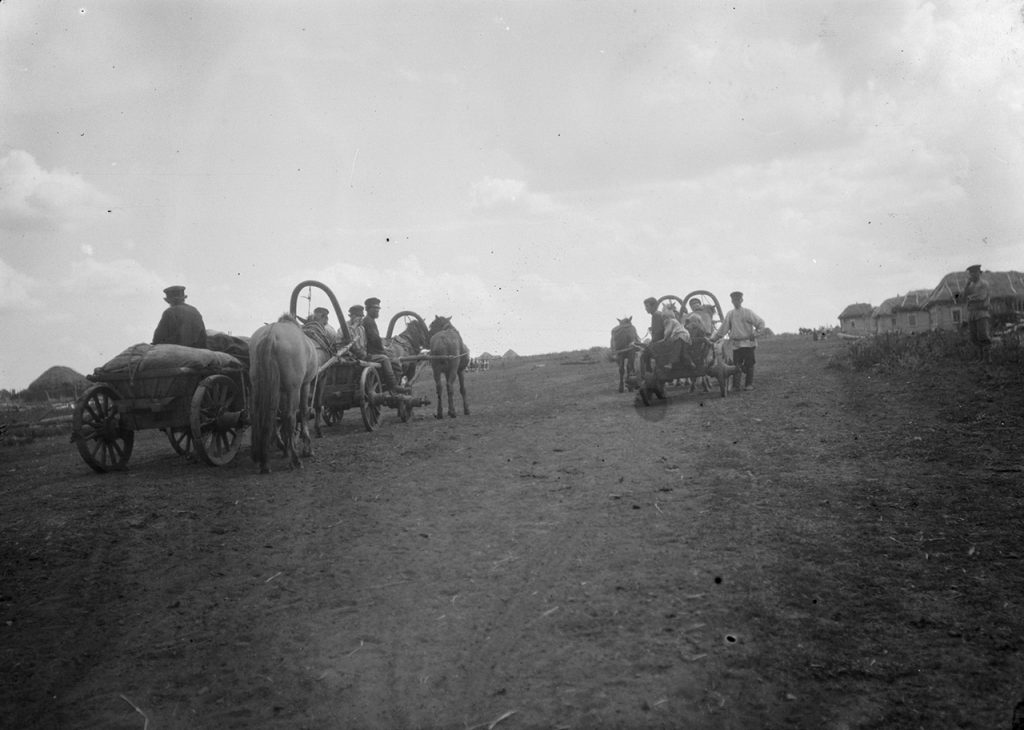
[979, 319]
[181, 324]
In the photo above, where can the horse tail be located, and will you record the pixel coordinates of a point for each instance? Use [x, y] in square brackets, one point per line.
[266, 398]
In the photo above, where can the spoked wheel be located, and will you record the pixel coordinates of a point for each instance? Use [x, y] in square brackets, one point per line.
[371, 395]
[677, 305]
[216, 422]
[104, 442]
[181, 440]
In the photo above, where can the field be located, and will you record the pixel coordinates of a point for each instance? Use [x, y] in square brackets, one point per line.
[836, 549]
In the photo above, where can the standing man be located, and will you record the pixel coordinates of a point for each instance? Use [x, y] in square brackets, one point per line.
[979, 319]
[181, 324]
[743, 326]
[375, 351]
[657, 332]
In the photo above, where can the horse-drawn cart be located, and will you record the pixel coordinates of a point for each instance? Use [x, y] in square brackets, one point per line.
[673, 359]
[346, 381]
[197, 397]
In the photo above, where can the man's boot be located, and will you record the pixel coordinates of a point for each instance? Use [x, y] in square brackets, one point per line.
[750, 379]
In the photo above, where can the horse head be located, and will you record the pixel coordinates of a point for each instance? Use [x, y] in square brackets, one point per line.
[439, 323]
[624, 333]
[419, 335]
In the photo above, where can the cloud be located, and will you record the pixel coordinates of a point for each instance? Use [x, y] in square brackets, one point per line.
[16, 290]
[33, 199]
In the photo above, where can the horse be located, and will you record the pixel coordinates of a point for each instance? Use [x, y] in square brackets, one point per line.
[448, 356]
[414, 338]
[625, 347]
[282, 365]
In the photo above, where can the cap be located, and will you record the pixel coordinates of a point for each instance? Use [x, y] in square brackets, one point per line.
[695, 300]
[976, 268]
[372, 302]
[355, 309]
[735, 294]
[176, 291]
[650, 300]
[321, 310]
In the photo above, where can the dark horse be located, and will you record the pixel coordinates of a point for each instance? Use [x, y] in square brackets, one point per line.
[414, 338]
[448, 356]
[282, 366]
[625, 348]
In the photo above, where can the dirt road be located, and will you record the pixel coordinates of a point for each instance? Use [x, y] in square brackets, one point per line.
[832, 550]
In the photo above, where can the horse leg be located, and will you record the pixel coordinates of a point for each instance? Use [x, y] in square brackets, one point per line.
[307, 442]
[462, 392]
[437, 387]
[448, 387]
[622, 374]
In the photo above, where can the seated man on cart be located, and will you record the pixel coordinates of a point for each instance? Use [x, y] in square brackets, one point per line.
[669, 340]
[320, 331]
[375, 351]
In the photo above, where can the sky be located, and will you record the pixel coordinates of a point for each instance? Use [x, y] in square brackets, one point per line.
[533, 170]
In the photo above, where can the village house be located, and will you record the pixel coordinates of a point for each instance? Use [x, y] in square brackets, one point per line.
[948, 310]
[883, 317]
[910, 314]
[856, 320]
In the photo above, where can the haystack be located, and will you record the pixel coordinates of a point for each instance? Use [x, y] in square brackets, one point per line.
[58, 382]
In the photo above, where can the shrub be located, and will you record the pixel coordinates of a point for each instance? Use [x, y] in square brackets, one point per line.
[891, 352]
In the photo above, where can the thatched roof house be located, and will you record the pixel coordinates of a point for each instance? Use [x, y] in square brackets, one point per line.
[510, 355]
[856, 319]
[909, 312]
[947, 308]
[883, 317]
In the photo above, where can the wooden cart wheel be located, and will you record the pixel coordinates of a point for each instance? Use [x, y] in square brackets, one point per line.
[103, 440]
[371, 394]
[678, 304]
[181, 440]
[215, 418]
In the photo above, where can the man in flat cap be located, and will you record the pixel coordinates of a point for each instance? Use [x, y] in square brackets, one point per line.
[742, 326]
[979, 319]
[318, 330]
[375, 351]
[180, 324]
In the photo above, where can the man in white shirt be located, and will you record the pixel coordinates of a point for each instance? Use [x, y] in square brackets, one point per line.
[743, 326]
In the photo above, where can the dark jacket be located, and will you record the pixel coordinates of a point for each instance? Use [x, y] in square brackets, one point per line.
[181, 324]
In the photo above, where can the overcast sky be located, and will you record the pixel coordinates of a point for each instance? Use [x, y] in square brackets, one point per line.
[532, 169]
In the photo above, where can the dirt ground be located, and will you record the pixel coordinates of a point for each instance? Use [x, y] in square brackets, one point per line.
[832, 550]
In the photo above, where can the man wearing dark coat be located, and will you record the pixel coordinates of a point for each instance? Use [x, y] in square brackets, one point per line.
[375, 351]
[181, 324]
